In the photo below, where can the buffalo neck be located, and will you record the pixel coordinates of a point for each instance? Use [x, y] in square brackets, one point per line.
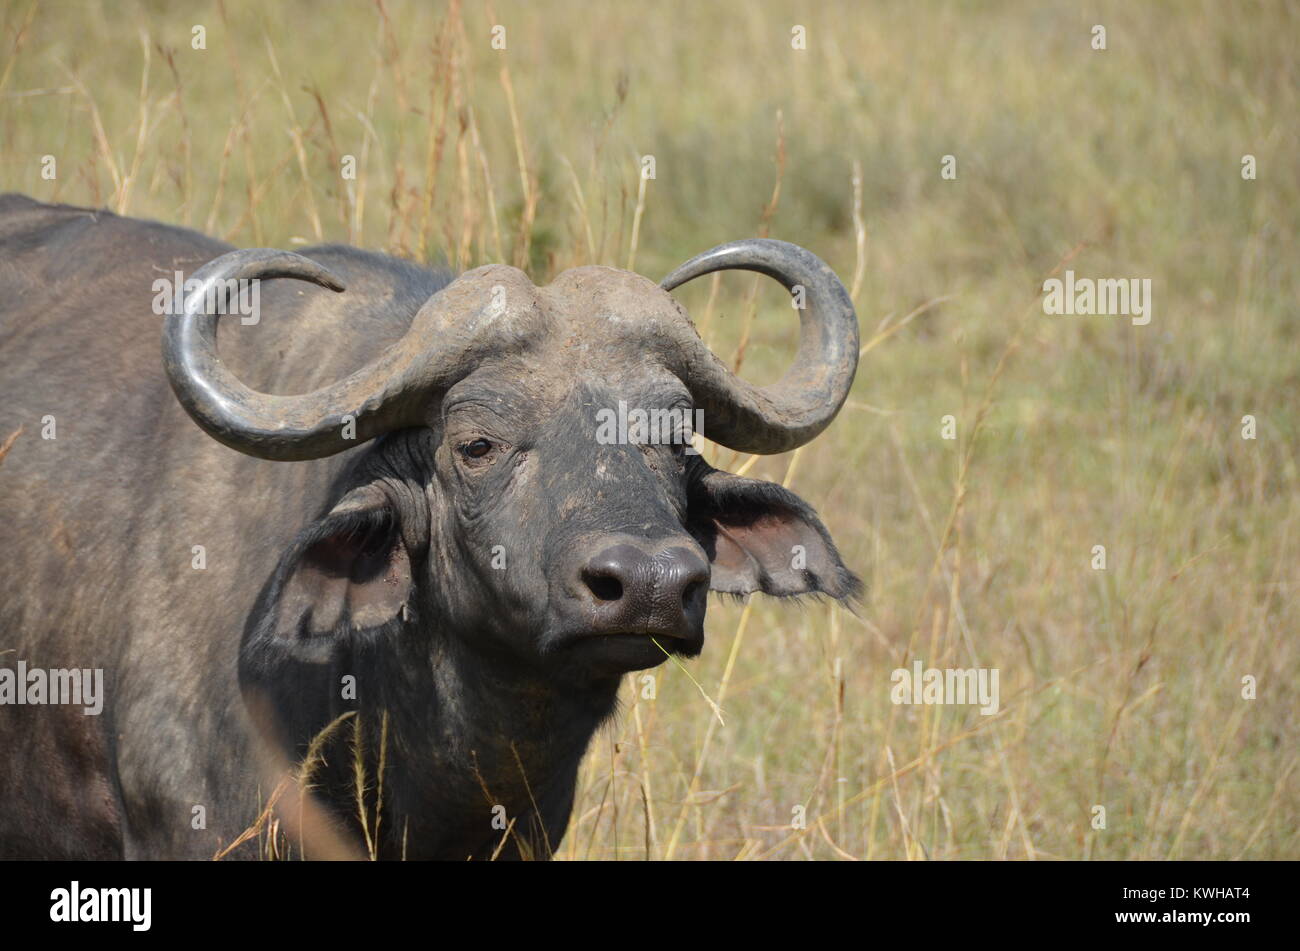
[480, 755]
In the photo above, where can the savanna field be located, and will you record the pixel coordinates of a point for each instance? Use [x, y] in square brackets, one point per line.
[403, 127]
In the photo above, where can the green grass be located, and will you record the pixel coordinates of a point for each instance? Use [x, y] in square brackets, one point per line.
[1121, 687]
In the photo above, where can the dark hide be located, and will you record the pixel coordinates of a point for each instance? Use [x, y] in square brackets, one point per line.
[438, 601]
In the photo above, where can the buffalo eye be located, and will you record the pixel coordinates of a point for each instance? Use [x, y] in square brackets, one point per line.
[476, 448]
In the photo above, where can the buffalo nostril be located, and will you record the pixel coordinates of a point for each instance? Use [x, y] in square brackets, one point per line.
[693, 591]
[604, 587]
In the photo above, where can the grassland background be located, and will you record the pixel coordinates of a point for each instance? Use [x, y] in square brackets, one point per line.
[1120, 687]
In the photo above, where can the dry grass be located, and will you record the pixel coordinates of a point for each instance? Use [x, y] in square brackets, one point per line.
[1119, 687]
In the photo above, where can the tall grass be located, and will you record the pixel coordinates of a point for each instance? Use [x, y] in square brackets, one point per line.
[1120, 687]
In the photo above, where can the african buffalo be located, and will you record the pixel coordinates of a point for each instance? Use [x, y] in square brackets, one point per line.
[439, 545]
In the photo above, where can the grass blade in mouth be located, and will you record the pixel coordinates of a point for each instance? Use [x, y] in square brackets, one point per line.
[717, 711]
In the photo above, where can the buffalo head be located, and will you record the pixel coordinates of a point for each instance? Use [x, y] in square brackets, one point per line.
[495, 507]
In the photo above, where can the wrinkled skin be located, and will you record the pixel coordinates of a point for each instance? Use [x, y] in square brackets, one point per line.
[486, 578]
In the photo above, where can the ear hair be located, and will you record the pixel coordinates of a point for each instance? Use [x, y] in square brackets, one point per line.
[760, 536]
[349, 574]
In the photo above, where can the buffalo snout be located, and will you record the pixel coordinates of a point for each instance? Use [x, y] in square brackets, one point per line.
[643, 596]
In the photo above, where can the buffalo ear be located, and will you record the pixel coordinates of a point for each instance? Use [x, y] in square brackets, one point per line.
[762, 537]
[348, 571]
